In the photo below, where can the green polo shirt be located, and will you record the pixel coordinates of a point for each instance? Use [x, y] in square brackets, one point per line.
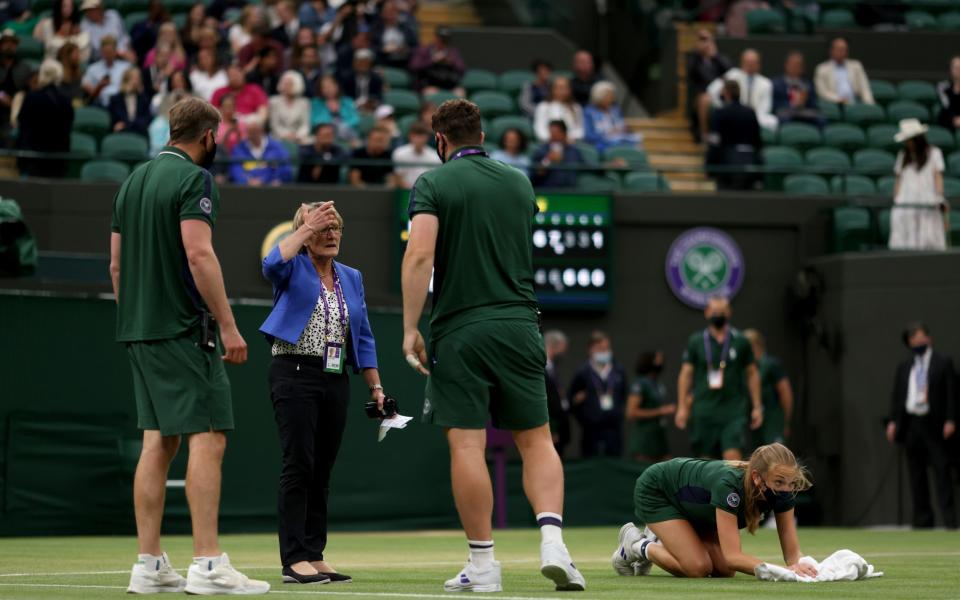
[732, 400]
[158, 297]
[483, 262]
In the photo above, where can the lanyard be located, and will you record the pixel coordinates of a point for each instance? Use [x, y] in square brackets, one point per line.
[920, 374]
[339, 294]
[466, 152]
[708, 350]
[608, 384]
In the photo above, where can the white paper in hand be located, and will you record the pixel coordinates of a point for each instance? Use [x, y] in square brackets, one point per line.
[395, 422]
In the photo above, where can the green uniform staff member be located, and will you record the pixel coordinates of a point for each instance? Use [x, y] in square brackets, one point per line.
[646, 408]
[776, 393]
[719, 369]
[471, 225]
[694, 510]
[166, 277]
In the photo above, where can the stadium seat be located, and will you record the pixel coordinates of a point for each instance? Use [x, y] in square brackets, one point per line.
[440, 97]
[853, 185]
[864, 114]
[131, 20]
[365, 124]
[920, 20]
[493, 104]
[873, 161]
[501, 124]
[885, 185]
[805, 184]
[768, 137]
[293, 151]
[91, 119]
[881, 136]
[800, 135]
[941, 138]
[636, 159]
[831, 110]
[851, 229]
[838, 18]
[588, 182]
[395, 78]
[827, 160]
[83, 145]
[645, 181]
[884, 92]
[953, 164]
[919, 91]
[403, 101]
[39, 6]
[907, 109]
[404, 123]
[951, 187]
[844, 136]
[126, 7]
[30, 49]
[511, 82]
[883, 225]
[779, 160]
[178, 6]
[949, 21]
[475, 80]
[765, 20]
[104, 170]
[590, 155]
[125, 146]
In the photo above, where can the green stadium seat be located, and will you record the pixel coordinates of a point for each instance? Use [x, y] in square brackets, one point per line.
[395, 78]
[826, 159]
[941, 138]
[501, 124]
[440, 97]
[404, 102]
[885, 185]
[779, 160]
[365, 124]
[805, 184]
[951, 187]
[799, 135]
[493, 104]
[919, 91]
[588, 182]
[851, 229]
[831, 110]
[853, 185]
[590, 155]
[907, 109]
[131, 20]
[881, 136]
[83, 145]
[864, 114]
[949, 21]
[179, 6]
[765, 20]
[125, 146]
[920, 20]
[511, 82]
[768, 137]
[404, 123]
[844, 136]
[838, 18]
[873, 161]
[38, 6]
[884, 92]
[643, 181]
[883, 225]
[293, 151]
[954, 228]
[180, 20]
[475, 80]
[104, 170]
[126, 7]
[953, 164]
[636, 159]
[91, 119]
[30, 49]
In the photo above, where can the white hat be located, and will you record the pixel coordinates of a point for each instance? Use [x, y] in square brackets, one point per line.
[383, 111]
[910, 128]
[89, 4]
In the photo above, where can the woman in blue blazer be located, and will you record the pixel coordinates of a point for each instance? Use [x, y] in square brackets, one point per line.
[318, 327]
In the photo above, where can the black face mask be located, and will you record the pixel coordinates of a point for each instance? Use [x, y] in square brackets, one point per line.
[718, 321]
[778, 501]
[919, 350]
[656, 369]
[209, 157]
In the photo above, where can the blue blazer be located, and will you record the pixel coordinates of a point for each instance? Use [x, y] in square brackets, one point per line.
[296, 288]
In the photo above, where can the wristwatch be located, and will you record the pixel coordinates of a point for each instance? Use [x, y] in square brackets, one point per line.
[376, 387]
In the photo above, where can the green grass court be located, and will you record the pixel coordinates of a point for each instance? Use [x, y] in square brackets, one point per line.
[917, 565]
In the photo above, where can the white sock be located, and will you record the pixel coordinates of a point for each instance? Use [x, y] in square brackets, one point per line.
[640, 548]
[207, 563]
[551, 527]
[151, 562]
[481, 554]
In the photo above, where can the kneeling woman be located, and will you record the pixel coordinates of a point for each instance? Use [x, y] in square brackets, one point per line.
[694, 510]
[318, 326]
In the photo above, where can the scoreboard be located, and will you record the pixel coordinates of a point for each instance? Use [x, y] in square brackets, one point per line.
[571, 241]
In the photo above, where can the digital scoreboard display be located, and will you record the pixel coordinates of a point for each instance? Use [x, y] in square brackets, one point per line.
[571, 254]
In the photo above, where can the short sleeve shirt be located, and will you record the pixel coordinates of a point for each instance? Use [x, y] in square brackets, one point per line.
[158, 298]
[730, 401]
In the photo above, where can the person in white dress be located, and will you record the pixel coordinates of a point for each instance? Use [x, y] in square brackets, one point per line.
[917, 219]
[561, 106]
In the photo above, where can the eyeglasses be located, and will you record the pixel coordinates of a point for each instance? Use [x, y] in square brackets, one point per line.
[334, 230]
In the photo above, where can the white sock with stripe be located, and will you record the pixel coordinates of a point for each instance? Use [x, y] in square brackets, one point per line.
[481, 554]
[551, 527]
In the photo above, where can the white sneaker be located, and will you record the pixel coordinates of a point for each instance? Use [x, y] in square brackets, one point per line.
[470, 579]
[557, 566]
[642, 565]
[149, 581]
[624, 558]
[649, 534]
[222, 579]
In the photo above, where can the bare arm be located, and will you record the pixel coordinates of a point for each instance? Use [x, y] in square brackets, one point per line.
[372, 377]
[684, 397]
[115, 264]
[789, 542]
[205, 268]
[756, 399]
[636, 413]
[415, 280]
[729, 535]
[938, 182]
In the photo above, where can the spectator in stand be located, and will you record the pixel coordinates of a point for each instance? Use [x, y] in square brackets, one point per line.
[414, 159]
[385, 116]
[63, 26]
[14, 10]
[241, 33]
[605, 127]
[102, 79]
[425, 116]
[842, 79]
[362, 83]
[289, 24]
[207, 76]
[736, 16]
[734, 140]
[562, 106]
[323, 150]
[14, 78]
[316, 13]
[948, 91]
[266, 74]
[209, 39]
[538, 90]
[250, 97]
[143, 35]
[177, 82]
[98, 22]
[290, 111]
[251, 55]
[376, 149]
[45, 121]
[305, 38]
[584, 76]
[756, 91]
[547, 162]
[232, 129]
[260, 160]
[513, 150]
[794, 97]
[159, 130]
[190, 32]
[160, 70]
[392, 38]
[329, 106]
[598, 396]
[919, 184]
[72, 84]
[130, 107]
[438, 66]
[168, 37]
[704, 66]
[307, 63]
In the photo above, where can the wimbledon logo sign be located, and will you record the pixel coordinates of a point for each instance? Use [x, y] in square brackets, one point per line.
[704, 262]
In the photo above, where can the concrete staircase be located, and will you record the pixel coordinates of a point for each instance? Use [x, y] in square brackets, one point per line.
[457, 13]
[671, 150]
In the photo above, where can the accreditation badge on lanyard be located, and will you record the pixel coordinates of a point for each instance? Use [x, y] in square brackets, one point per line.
[333, 358]
[715, 376]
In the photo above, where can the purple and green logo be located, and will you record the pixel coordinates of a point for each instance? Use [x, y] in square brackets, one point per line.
[704, 262]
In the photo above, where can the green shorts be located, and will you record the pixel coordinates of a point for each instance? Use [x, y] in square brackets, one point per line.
[650, 503]
[491, 369]
[710, 436]
[180, 388]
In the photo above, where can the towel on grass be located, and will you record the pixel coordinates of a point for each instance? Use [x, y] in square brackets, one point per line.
[842, 565]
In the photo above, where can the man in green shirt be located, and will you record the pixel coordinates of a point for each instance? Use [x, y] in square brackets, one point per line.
[471, 225]
[167, 280]
[776, 392]
[717, 378]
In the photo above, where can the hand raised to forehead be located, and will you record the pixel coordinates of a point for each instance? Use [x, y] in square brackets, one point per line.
[321, 217]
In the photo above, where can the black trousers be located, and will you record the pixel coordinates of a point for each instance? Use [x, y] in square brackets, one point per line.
[926, 448]
[311, 411]
[606, 434]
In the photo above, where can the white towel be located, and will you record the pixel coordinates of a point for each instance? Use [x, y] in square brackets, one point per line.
[842, 565]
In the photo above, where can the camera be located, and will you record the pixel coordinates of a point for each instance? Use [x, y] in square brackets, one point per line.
[390, 408]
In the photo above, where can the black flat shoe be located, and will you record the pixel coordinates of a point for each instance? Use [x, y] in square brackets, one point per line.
[338, 577]
[291, 576]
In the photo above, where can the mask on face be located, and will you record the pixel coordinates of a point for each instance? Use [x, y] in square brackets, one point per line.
[718, 321]
[778, 501]
[602, 358]
[919, 350]
[208, 158]
[657, 369]
[8, 54]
